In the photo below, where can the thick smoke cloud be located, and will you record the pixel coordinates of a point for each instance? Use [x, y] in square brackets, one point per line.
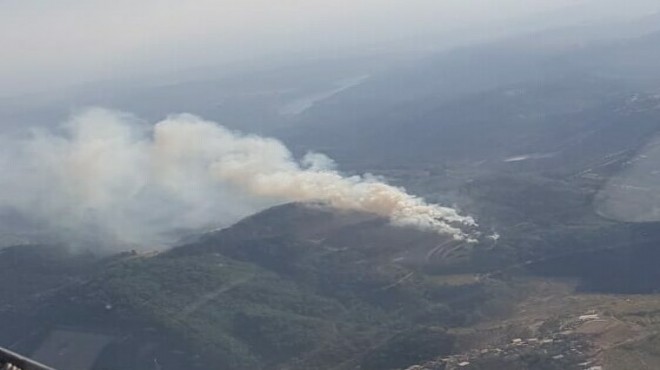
[109, 177]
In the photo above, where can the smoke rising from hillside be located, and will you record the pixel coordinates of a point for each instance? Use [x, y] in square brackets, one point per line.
[108, 176]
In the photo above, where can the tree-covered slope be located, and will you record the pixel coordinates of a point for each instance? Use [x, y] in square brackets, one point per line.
[295, 287]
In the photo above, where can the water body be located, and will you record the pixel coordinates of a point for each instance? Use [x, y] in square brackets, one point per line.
[633, 195]
[299, 106]
[524, 157]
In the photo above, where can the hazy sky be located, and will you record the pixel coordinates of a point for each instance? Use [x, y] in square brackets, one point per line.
[49, 43]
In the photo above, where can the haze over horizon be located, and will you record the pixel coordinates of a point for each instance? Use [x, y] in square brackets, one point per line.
[64, 43]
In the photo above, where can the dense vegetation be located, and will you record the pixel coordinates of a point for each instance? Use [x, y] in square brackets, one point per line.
[275, 291]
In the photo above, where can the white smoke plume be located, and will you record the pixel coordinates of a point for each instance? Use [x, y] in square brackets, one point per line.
[108, 176]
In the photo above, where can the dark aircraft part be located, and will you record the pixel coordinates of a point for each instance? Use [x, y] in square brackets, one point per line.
[13, 361]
